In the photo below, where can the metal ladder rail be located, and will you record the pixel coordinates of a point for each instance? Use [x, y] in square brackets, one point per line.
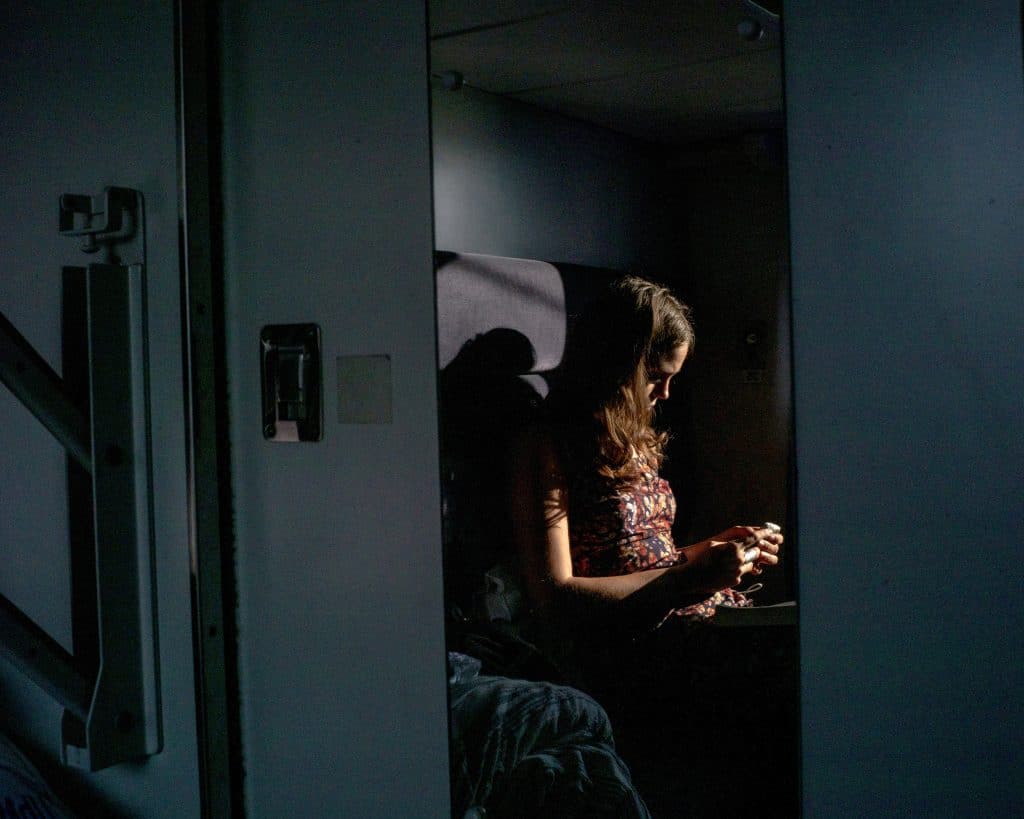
[111, 716]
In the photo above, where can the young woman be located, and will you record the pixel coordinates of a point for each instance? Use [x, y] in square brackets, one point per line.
[593, 520]
[619, 606]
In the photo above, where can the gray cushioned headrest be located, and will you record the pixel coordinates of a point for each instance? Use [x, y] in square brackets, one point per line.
[476, 294]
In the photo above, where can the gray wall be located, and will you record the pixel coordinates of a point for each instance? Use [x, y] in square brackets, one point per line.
[513, 180]
[327, 170]
[905, 138]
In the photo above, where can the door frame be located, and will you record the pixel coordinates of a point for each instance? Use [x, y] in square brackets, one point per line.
[211, 540]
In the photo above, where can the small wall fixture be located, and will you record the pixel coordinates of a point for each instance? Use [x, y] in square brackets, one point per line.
[291, 379]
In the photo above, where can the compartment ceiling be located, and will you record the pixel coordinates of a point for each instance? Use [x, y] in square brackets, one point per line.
[671, 72]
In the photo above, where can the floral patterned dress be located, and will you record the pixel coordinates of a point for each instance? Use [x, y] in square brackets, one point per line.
[620, 530]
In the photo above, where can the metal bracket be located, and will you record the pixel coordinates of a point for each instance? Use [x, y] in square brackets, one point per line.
[107, 218]
[111, 715]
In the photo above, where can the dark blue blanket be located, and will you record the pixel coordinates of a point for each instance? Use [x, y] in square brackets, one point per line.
[533, 749]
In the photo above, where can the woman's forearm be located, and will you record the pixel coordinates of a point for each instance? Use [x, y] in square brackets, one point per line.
[611, 589]
[645, 594]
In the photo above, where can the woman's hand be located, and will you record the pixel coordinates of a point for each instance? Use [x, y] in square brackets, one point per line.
[723, 559]
[769, 541]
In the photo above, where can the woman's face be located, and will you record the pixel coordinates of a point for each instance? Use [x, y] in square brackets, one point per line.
[661, 374]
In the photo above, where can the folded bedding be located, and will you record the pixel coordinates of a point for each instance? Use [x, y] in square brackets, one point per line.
[526, 748]
[23, 791]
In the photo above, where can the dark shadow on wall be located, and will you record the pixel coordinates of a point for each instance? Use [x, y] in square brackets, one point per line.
[484, 404]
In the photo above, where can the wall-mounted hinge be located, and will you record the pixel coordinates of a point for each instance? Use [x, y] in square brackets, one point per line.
[110, 218]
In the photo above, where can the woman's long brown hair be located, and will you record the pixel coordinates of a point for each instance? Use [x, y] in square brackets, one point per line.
[600, 402]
